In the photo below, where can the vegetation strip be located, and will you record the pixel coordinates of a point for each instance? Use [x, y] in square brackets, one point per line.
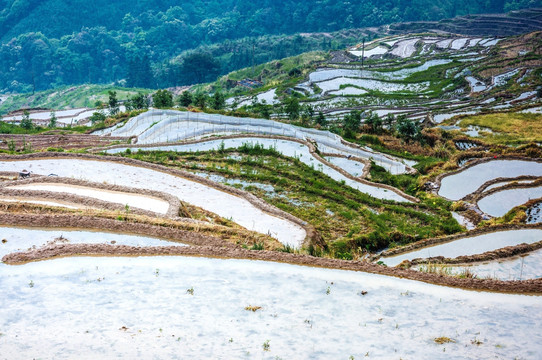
[310, 146]
[49, 252]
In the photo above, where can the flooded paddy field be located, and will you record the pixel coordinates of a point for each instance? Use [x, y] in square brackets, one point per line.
[194, 307]
[219, 202]
[465, 182]
[470, 245]
[290, 149]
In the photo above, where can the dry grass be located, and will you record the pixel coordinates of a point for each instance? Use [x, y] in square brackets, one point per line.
[252, 308]
[508, 127]
[443, 340]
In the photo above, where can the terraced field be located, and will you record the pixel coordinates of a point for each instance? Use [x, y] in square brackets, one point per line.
[213, 235]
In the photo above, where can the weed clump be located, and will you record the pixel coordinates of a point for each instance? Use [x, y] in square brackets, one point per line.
[443, 340]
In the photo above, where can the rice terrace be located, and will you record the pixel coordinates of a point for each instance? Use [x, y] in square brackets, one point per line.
[375, 196]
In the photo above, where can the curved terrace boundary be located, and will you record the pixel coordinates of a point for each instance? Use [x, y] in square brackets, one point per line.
[310, 145]
[174, 204]
[505, 206]
[446, 239]
[310, 233]
[61, 250]
[159, 126]
[476, 184]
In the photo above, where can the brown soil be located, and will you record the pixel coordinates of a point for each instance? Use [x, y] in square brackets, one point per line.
[441, 240]
[503, 253]
[17, 214]
[64, 141]
[174, 202]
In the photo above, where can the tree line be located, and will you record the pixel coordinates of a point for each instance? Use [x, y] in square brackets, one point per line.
[53, 43]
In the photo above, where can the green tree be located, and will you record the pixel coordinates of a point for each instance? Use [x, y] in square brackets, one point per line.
[52, 120]
[200, 100]
[389, 120]
[186, 98]
[306, 114]
[26, 122]
[218, 102]
[351, 123]
[321, 119]
[374, 123]
[113, 103]
[97, 117]
[137, 102]
[292, 108]
[162, 99]
[407, 129]
[198, 67]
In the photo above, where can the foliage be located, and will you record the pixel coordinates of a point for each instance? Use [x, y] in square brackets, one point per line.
[407, 129]
[351, 123]
[113, 103]
[186, 98]
[138, 102]
[200, 100]
[26, 122]
[97, 117]
[292, 108]
[218, 101]
[48, 43]
[52, 120]
[374, 123]
[162, 99]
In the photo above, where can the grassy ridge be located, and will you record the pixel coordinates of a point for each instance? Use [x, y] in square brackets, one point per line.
[67, 97]
[508, 128]
[348, 220]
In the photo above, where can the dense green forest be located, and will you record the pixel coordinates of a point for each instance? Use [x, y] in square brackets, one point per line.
[52, 43]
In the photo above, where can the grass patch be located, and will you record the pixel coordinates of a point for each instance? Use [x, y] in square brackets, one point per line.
[508, 127]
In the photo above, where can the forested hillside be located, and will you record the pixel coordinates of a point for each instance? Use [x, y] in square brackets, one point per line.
[56, 42]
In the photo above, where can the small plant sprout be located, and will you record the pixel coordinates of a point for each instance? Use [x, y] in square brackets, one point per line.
[266, 345]
[231, 340]
[127, 208]
[328, 290]
[190, 291]
[31, 283]
[156, 272]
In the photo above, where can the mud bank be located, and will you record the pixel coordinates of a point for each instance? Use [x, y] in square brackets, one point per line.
[192, 233]
[172, 212]
[503, 253]
[441, 240]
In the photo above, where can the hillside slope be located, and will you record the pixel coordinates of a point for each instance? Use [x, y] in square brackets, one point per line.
[53, 43]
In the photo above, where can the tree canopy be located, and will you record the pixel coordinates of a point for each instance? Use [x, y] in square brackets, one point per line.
[58, 42]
